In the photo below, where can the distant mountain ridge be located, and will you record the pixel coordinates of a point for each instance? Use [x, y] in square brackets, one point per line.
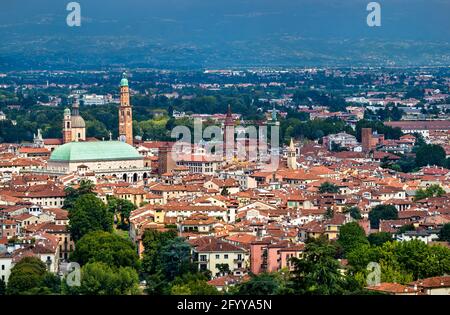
[220, 33]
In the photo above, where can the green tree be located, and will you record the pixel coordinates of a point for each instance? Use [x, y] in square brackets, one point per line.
[416, 93]
[447, 163]
[89, 214]
[318, 271]
[98, 278]
[355, 213]
[85, 187]
[192, 284]
[176, 259]
[382, 212]
[351, 235]
[109, 248]
[434, 190]
[153, 269]
[444, 233]
[430, 154]
[224, 269]
[2, 287]
[153, 242]
[378, 239]
[329, 213]
[329, 188]
[264, 284]
[401, 262]
[121, 208]
[30, 276]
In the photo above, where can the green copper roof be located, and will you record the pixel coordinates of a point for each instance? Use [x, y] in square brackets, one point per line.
[124, 82]
[94, 151]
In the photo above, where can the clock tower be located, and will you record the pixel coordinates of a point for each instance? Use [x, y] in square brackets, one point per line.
[125, 113]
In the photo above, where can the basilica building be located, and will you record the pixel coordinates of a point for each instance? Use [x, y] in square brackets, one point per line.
[116, 158]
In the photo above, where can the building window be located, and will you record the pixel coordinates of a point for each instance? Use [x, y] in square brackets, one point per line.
[217, 256]
[226, 256]
[3, 267]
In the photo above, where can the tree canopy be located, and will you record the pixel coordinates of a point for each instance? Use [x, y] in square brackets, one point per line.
[265, 284]
[355, 212]
[434, 190]
[328, 188]
[401, 262]
[317, 272]
[89, 214]
[121, 208]
[98, 278]
[430, 154]
[2, 287]
[444, 233]
[382, 212]
[378, 239]
[30, 276]
[192, 284]
[85, 187]
[351, 235]
[106, 247]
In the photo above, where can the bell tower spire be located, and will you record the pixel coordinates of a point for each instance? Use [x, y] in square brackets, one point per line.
[125, 113]
[292, 156]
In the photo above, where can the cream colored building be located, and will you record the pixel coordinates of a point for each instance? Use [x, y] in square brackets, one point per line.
[104, 158]
[213, 253]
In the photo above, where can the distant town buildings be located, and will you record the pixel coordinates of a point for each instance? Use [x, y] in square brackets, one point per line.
[238, 216]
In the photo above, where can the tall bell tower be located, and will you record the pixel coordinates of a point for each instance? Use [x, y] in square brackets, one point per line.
[125, 113]
[67, 126]
[292, 156]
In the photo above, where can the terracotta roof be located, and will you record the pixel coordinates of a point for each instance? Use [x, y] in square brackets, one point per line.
[391, 288]
[433, 282]
[215, 245]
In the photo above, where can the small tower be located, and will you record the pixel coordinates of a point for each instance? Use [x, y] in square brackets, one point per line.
[166, 163]
[125, 113]
[78, 126]
[366, 139]
[292, 156]
[67, 127]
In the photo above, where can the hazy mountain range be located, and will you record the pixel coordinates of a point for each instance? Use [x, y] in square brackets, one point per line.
[220, 33]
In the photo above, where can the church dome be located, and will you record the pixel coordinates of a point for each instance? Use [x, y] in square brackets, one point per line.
[78, 122]
[124, 82]
[94, 151]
